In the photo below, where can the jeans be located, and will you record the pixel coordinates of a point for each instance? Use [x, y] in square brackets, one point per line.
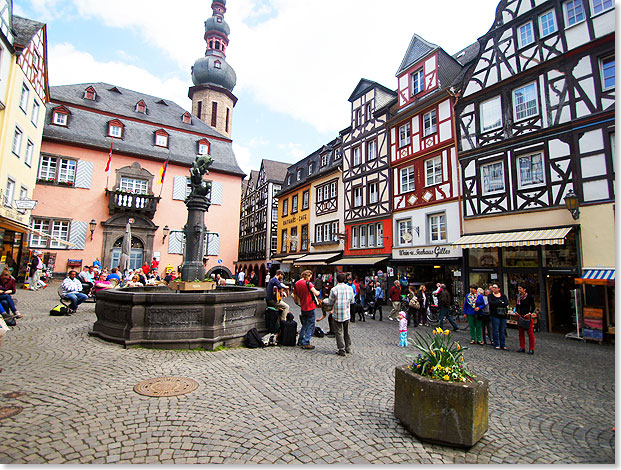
[343, 342]
[7, 303]
[498, 330]
[446, 312]
[307, 318]
[76, 299]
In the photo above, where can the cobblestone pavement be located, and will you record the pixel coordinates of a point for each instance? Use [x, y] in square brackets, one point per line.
[285, 405]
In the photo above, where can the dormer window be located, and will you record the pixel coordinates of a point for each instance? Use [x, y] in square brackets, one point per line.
[310, 168]
[288, 179]
[115, 129]
[90, 94]
[203, 147]
[358, 117]
[217, 64]
[417, 81]
[141, 107]
[60, 116]
[299, 174]
[161, 138]
[369, 112]
[187, 118]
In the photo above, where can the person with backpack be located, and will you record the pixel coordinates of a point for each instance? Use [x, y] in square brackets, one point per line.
[305, 295]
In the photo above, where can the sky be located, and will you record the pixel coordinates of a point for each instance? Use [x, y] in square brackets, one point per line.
[297, 61]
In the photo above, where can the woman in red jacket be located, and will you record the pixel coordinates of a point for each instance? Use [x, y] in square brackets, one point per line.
[7, 289]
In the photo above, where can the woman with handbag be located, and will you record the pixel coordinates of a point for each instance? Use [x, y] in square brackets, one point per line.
[486, 323]
[473, 303]
[498, 304]
[423, 302]
[413, 306]
[524, 308]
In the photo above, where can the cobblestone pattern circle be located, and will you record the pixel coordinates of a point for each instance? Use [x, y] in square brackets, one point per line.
[166, 386]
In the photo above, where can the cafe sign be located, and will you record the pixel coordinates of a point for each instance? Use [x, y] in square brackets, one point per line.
[427, 252]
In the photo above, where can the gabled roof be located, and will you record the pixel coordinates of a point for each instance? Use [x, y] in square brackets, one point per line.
[88, 126]
[275, 171]
[364, 85]
[24, 30]
[418, 49]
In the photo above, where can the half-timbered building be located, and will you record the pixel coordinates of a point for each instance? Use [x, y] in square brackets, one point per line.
[535, 122]
[258, 227]
[366, 179]
[423, 161]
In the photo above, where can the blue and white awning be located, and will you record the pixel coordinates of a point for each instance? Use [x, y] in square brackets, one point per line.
[597, 276]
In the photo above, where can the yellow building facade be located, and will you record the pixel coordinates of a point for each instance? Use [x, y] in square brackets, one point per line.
[294, 221]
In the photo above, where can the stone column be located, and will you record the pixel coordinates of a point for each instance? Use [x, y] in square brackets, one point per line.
[194, 230]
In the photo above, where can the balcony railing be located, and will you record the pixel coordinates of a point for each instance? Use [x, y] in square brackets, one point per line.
[121, 201]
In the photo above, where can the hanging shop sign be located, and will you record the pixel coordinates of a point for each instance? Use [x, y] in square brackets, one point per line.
[427, 252]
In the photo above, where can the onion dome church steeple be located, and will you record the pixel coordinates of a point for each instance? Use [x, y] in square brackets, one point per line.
[213, 78]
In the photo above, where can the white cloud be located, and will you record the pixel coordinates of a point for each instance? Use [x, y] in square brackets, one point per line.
[244, 158]
[67, 65]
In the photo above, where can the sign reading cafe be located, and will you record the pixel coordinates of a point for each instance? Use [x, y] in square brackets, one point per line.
[427, 252]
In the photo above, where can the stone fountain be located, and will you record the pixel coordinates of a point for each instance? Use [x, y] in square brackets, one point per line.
[157, 317]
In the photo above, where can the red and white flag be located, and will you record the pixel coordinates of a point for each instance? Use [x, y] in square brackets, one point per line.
[109, 158]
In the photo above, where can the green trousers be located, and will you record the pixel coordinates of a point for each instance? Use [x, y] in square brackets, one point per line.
[474, 322]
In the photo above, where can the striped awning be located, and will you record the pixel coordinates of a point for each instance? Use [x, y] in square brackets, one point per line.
[526, 238]
[317, 259]
[359, 261]
[597, 276]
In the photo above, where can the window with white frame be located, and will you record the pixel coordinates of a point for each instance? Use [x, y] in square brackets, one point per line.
[417, 81]
[491, 114]
[530, 170]
[304, 241]
[36, 108]
[358, 196]
[525, 102]
[358, 117]
[23, 99]
[23, 193]
[333, 189]
[363, 236]
[285, 207]
[334, 231]
[17, 141]
[305, 198]
[133, 185]
[599, 6]
[203, 148]
[371, 235]
[310, 168]
[354, 237]
[437, 227]
[29, 152]
[371, 150]
[380, 234]
[547, 23]
[294, 239]
[407, 179]
[373, 193]
[324, 159]
[298, 174]
[526, 34]
[404, 135]
[288, 180]
[493, 177]
[9, 193]
[326, 232]
[574, 12]
[47, 168]
[57, 231]
[161, 140]
[405, 231]
[36, 240]
[59, 118]
[283, 246]
[326, 192]
[368, 112]
[115, 130]
[430, 125]
[319, 194]
[318, 233]
[356, 159]
[608, 72]
[294, 204]
[433, 171]
[66, 170]
[274, 244]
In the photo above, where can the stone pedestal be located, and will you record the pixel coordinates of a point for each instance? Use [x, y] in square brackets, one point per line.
[194, 230]
[449, 413]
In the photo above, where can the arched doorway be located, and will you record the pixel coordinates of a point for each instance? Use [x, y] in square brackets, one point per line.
[224, 272]
[136, 257]
[262, 276]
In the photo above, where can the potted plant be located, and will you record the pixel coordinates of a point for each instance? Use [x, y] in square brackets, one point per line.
[437, 398]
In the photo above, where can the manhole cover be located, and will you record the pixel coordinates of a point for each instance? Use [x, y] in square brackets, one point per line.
[8, 411]
[14, 394]
[166, 386]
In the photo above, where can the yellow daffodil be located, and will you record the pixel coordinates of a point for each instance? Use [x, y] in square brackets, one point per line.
[462, 359]
[458, 346]
[441, 349]
[446, 377]
[439, 330]
[447, 332]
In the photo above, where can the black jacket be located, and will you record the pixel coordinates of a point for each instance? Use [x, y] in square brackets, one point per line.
[444, 298]
[495, 302]
[526, 306]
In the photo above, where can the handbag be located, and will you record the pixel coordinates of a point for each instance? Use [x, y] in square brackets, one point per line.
[523, 323]
[501, 312]
[414, 303]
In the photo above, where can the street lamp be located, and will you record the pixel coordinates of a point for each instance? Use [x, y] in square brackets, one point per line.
[92, 225]
[572, 203]
[165, 231]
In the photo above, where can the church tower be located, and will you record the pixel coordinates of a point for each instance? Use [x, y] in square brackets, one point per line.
[213, 78]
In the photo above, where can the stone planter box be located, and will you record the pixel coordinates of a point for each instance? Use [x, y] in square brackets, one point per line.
[192, 286]
[448, 413]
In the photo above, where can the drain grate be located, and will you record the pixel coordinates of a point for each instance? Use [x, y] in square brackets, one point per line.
[8, 411]
[166, 386]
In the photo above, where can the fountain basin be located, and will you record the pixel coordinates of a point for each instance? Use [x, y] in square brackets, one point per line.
[156, 317]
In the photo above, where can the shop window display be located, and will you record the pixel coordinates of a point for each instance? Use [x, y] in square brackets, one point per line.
[520, 257]
[564, 255]
[483, 257]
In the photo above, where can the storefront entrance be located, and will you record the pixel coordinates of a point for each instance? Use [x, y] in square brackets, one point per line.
[561, 316]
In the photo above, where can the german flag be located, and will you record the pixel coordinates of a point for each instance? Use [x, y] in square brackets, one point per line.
[163, 172]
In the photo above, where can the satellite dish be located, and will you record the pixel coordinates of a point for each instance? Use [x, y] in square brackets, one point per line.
[407, 236]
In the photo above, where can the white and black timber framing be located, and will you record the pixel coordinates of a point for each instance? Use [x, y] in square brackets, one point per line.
[370, 103]
[573, 127]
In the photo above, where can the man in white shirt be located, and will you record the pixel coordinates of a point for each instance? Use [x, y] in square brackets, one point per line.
[240, 278]
[72, 290]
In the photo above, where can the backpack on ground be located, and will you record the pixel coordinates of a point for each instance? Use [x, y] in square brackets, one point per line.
[319, 333]
[59, 311]
[288, 332]
[253, 339]
[9, 320]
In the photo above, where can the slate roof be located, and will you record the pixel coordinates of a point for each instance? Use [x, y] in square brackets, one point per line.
[89, 126]
[466, 57]
[24, 30]
[364, 85]
[275, 171]
[417, 49]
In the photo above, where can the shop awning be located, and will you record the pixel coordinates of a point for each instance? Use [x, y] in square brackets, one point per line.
[504, 239]
[289, 259]
[317, 259]
[359, 261]
[602, 277]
